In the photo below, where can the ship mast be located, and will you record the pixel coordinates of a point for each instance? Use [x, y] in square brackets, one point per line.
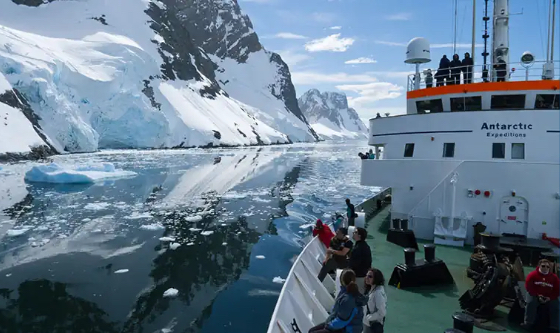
[500, 34]
[485, 53]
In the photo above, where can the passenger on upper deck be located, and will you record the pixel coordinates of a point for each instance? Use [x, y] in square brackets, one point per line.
[467, 68]
[501, 70]
[442, 73]
[337, 253]
[429, 79]
[455, 70]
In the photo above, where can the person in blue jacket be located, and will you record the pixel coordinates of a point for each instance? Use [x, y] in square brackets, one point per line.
[347, 313]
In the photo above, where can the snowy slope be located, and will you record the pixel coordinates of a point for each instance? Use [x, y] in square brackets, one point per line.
[246, 71]
[329, 115]
[17, 134]
[123, 74]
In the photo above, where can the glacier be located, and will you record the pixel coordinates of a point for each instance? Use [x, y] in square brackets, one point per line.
[329, 115]
[116, 74]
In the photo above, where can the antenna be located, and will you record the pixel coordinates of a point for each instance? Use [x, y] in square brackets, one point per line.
[485, 54]
[455, 28]
[473, 29]
[548, 67]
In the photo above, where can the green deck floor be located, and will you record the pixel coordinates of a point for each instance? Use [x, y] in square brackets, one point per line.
[424, 310]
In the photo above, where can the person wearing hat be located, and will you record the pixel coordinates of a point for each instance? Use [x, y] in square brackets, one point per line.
[501, 70]
[337, 253]
[467, 68]
[324, 233]
[543, 287]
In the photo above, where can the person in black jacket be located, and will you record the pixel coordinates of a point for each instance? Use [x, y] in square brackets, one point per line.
[337, 253]
[501, 70]
[360, 257]
[351, 210]
[455, 69]
[442, 73]
[467, 68]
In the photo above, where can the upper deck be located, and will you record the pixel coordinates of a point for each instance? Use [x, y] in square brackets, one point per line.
[524, 90]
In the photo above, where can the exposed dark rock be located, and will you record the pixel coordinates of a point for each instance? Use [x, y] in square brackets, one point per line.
[217, 135]
[149, 92]
[31, 3]
[16, 100]
[100, 19]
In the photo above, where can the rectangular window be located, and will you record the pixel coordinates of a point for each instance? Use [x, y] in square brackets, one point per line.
[498, 150]
[472, 103]
[449, 149]
[429, 106]
[409, 150]
[518, 151]
[500, 102]
[547, 101]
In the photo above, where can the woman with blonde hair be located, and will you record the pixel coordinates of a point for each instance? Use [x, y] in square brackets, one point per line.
[376, 306]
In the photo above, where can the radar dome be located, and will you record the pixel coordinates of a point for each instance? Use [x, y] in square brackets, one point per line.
[418, 51]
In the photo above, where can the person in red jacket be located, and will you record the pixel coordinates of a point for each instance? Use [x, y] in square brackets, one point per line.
[324, 232]
[543, 287]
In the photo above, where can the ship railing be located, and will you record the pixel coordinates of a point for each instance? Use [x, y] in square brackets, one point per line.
[516, 71]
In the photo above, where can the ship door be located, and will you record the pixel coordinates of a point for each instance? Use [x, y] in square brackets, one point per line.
[513, 216]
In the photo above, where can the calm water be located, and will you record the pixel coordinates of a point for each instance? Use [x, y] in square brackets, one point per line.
[228, 229]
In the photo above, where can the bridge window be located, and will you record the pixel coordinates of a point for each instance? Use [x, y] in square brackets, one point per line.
[518, 151]
[409, 150]
[547, 101]
[449, 149]
[500, 102]
[472, 103]
[429, 106]
[498, 150]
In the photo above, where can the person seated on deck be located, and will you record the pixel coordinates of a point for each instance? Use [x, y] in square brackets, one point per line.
[337, 253]
[371, 154]
[347, 313]
[543, 288]
[376, 306]
[360, 257]
[324, 232]
[337, 220]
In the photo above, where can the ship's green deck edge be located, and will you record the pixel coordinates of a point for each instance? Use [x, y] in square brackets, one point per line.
[425, 310]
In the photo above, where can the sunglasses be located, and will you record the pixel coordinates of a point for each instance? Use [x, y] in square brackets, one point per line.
[369, 276]
[545, 266]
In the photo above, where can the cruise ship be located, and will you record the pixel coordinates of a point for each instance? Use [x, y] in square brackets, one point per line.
[480, 152]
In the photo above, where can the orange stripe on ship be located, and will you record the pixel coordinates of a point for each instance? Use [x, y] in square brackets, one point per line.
[485, 87]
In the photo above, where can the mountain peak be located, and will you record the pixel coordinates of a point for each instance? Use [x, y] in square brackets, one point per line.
[329, 115]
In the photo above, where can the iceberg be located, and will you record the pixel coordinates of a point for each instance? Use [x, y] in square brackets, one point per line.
[57, 174]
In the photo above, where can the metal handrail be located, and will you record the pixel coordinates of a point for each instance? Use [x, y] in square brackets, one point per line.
[516, 72]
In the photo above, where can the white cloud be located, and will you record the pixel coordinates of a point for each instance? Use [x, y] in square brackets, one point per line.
[399, 17]
[323, 17]
[314, 78]
[331, 43]
[286, 35]
[371, 92]
[361, 60]
[336, 27]
[293, 58]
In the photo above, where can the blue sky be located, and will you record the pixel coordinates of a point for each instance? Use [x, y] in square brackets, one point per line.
[317, 39]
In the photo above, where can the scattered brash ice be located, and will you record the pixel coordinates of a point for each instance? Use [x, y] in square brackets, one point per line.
[121, 271]
[278, 280]
[171, 292]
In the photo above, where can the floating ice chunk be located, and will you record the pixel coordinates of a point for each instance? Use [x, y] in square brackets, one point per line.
[167, 239]
[121, 271]
[278, 280]
[224, 243]
[260, 256]
[171, 292]
[207, 233]
[174, 246]
[138, 215]
[196, 218]
[190, 244]
[96, 206]
[153, 226]
[195, 229]
[9, 274]
[17, 232]
[54, 173]
[45, 241]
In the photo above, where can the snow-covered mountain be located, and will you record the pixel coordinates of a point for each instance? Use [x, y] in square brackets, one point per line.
[329, 115]
[143, 74]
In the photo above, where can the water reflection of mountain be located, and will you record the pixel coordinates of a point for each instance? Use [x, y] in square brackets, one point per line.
[46, 306]
[202, 270]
